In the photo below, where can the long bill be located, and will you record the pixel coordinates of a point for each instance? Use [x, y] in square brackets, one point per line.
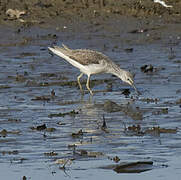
[136, 89]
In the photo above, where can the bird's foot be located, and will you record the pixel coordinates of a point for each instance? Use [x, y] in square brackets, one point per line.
[91, 93]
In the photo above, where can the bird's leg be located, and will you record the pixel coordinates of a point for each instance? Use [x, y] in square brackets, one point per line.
[87, 85]
[78, 80]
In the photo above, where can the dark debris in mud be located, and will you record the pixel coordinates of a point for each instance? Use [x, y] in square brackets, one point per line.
[104, 126]
[128, 50]
[5, 86]
[70, 113]
[47, 36]
[4, 132]
[158, 130]
[126, 92]
[135, 167]
[116, 159]
[131, 167]
[52, 153]
[150, 100]
[14, 120]
[154, 131]
[150, 69]
[88, 154]
[147, 68]
[138, 31]
[134, 130]
[20, 78]
[39, 128]
[43, 127]
[160, 111]
[77, 134]
[15, 152]
[41, 98]
[72, 146]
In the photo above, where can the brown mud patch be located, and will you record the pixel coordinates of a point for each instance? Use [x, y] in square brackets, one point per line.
[48, 12]
[132, 167]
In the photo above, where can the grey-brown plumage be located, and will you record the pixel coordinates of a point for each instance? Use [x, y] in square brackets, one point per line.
[83, 56]
[91, 62]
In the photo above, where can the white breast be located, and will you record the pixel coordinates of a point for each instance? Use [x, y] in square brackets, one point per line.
[93, 69]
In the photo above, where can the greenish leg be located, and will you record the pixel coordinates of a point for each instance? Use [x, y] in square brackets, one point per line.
[87, 85]
[78, 80]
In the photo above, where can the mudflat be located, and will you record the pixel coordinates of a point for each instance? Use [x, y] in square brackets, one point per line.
[49, 131]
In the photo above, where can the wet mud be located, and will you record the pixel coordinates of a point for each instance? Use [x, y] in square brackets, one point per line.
[48, 128]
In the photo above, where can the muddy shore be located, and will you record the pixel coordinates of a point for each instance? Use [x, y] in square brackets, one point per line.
[128, 22]
[61, 13]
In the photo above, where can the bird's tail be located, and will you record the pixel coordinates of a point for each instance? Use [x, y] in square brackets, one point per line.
[65, 47]
[66, 53]
[59, 50]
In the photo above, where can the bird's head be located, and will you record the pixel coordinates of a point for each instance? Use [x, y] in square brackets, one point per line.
[128, 78]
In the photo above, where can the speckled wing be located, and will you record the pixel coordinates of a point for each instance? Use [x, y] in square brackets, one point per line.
[87, 57]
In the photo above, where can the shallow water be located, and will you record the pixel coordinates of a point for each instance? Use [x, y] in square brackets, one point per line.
[28, 72]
